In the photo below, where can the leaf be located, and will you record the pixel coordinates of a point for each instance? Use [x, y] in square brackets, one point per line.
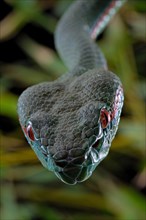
[126, 203]
[43, 56]
[8, 104]
[22, 74]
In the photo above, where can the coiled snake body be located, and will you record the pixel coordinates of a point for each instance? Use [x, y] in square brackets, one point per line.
[71, 122]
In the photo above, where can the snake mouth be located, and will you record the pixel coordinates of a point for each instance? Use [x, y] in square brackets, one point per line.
[77, 173]
[73, 173]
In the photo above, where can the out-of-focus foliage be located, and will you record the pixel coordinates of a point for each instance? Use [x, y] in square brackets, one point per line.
[117, 187]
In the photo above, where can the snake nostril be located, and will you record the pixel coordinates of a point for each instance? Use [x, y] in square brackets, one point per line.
[96, 144]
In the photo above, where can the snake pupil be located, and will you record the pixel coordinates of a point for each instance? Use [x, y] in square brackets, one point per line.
[30, 132]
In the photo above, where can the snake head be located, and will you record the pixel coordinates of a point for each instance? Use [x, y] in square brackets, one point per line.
[70, 125]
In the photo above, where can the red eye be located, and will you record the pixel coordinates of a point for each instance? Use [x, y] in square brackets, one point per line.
[30, 133]
[105, 118]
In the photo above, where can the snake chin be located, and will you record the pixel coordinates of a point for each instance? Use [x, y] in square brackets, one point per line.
[73, 173]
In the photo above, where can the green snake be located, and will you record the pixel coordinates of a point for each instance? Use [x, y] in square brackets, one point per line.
[71, 122]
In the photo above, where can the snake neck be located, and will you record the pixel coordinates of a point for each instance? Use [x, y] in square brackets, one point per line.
[76, 30]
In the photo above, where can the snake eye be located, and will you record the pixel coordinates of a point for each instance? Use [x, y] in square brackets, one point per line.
[105, 118]
[30, 133]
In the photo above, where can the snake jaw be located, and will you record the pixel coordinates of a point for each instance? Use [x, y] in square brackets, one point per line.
[79, 173]
[72, 173]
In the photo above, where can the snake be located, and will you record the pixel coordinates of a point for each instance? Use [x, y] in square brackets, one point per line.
[70, 122]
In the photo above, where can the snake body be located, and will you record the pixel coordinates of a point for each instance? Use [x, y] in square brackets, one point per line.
[71, 122]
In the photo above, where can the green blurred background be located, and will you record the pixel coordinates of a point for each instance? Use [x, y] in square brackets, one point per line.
[116, 190]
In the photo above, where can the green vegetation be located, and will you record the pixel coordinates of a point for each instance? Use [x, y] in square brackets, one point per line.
[116, 189]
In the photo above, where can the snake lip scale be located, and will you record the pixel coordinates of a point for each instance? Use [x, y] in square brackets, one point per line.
[71, 122]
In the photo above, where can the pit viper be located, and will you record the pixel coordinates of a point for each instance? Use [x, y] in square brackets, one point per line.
[71, 122]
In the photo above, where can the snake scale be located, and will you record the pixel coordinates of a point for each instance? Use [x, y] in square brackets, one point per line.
[71, 122]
